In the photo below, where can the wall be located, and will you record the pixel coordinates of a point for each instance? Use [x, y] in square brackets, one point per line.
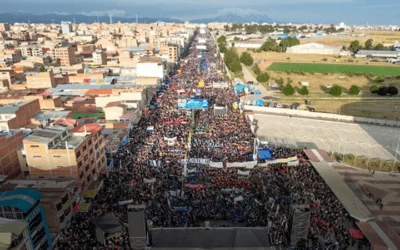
[150, 70]
[41, 80]
[325, 116]
[101, 102]
[113, 113]
[8, 154]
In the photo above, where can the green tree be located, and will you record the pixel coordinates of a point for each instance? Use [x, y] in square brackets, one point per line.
[288, 42]
[303, 91]
[355, 46]
[256, 69]
[270, 45]
[374, 88]
[379, 46]
[222, 48]
[233, 44]
[246, 59]
[221, 39]
[368, 44]
[235, 67]
[227, 28]
[280, 81]
[288, 90]
[263, 77]
[336, 90]
[354, 90]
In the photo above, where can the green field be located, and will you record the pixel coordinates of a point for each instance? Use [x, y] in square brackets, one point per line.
[335, 68]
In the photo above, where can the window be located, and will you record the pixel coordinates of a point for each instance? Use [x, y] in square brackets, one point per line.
[78, 154]
[84, 148]
[61, 219]
[58, 206]
[34, 146]
[37, 156]
[56, 156]
[79, 164]
[81, 175]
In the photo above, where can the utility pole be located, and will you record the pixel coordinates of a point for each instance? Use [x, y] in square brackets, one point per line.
[110, 18]
[137, 19]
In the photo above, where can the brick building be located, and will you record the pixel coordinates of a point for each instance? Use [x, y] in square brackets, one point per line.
[17, 115]
[10, 142]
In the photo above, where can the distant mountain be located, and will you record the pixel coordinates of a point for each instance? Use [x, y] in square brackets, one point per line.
[22, 17]
[235, 18]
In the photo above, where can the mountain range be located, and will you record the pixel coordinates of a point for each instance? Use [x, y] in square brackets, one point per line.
[23, 17]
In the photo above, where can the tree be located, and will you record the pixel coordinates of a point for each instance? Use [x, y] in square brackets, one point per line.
[256, 69]
[368, 44]
[280, 81]
[221, 39]
[42, 69]
[222, 48]
[383, 91]
[263, 77]
[288, 42]
[227, 28]
[235, 67]
[336, 90]
[373, 89]
[270, 45]
[354, 90]
[355, 46]
[303, 91]
[392, 90]
[233, 44]
[379, 46]
[288, 90]
[246, 59]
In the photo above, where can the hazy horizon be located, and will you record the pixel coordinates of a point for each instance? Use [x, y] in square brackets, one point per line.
[309, 11]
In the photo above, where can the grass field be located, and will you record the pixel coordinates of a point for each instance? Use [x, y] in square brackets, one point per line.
[335, 68]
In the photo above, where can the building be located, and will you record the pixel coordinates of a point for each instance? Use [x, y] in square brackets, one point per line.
[65, 56]
[378, 54]
[150, 66]
[10, 142]
[14, 234]
[124, 111]
[4, 27]
[40, 80]
[171, 52]
[314, 48]
[60, 199]
[31, 50]
[23, 205]
[17, 115]
[66, 27]
[59, 153]
[99, 57]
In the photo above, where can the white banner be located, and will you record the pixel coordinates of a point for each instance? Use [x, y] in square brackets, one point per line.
[239, 172]
[196, 161]
[121, 203]
[293, 163]
[149, 180]
[220, 84]
[248, 164]
[239, 198]
[190, 171]
[216, 164]
[170, 139]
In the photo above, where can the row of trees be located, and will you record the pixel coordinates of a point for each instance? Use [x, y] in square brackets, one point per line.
[254, 28]
[368, 45]
[272, 45]
[384, 91]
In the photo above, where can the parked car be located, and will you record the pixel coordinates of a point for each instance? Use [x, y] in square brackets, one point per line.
[250, 82]
[308, 102]
[295, 105]
[285, 106]
[311, 109]
[274, 105]
[279, 105]
[271, 105]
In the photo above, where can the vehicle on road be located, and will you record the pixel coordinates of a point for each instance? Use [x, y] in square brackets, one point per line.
[250, 82]
[295, 105]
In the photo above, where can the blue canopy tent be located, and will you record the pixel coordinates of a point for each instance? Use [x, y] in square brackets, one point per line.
[264, 154]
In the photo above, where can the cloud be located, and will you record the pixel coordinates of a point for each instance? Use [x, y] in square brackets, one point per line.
[116, 13]
[61, 13]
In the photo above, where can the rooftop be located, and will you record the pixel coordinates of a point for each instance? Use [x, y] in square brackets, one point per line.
[45, 135]
[149, 59]
[12, 108]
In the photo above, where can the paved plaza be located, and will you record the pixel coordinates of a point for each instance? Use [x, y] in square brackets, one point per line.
[348, 138]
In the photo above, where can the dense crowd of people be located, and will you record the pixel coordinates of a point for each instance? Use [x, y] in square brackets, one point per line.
[153, 170]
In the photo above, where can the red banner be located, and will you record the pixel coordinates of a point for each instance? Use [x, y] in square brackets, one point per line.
[194, 186]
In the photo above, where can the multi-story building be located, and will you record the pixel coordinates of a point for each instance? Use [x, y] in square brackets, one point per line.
[60, 199]
[54, 153]
[65, 56]
[23, 205]
[17, 115]
[66, 27]
[150, 66]
[4, 27]
[171, 52]
[14, 234]
[40, 80]
[99, 57]
[31, 50]
[10, 142]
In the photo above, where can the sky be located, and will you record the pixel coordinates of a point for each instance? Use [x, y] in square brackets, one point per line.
[372, 12]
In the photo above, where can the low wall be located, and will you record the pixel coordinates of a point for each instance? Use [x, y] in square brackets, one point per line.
[324, 116]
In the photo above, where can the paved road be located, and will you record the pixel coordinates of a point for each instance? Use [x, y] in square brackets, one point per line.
[249, 77]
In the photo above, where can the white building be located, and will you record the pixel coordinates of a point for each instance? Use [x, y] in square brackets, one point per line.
[150, 66]
[99, 57]
[314, 48]
[66, 27]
